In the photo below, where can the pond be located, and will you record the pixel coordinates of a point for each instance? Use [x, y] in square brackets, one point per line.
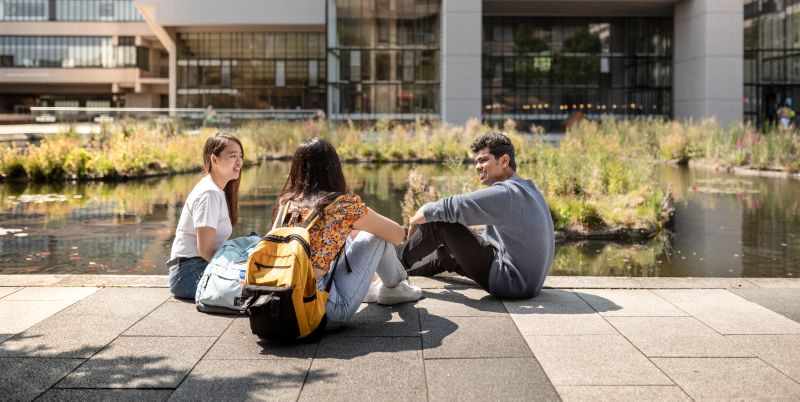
[725, 225]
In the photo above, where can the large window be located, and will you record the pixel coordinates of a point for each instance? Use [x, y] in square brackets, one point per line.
[385, 59]
[69, 10]
[545, 70]
[251, 70]
[71, 51]
[771, 57]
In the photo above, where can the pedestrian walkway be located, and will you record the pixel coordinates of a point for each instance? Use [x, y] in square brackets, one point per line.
[79, 337]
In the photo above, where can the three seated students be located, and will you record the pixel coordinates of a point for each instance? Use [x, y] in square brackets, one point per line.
[513, 258]
[510, 261]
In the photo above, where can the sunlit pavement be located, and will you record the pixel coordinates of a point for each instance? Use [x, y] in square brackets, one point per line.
[104, 337]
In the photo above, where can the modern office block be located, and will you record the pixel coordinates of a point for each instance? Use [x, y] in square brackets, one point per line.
[541, 63]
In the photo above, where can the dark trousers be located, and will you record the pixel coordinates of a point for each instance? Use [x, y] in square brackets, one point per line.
[440, 246]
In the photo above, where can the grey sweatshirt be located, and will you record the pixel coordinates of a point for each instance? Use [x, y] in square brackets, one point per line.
[518, 226]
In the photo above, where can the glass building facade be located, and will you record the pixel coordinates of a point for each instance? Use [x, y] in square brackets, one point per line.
[771, 57]
[384, 58]
[69, 10]
[543, 70]
[251, 70]
[71, 52]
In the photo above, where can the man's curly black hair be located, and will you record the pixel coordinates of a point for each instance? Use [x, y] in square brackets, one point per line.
[498, 144]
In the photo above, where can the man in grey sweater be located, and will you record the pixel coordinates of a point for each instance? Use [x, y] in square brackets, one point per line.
[513, 257]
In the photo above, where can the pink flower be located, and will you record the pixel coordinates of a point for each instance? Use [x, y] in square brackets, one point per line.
[740, 143]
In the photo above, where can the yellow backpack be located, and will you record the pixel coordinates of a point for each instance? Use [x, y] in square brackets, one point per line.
[284, 302]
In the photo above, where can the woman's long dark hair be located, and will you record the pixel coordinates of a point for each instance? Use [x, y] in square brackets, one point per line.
[316, 175]
[214, 146]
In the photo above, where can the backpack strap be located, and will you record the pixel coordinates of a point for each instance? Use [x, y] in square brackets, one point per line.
[333, 270]
[312, 219]
[281, 216]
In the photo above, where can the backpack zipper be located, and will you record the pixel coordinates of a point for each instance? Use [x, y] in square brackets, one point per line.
[286, 239]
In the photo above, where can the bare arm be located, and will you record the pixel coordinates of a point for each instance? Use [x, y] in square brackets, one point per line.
[380, 226]
[205, 242]
[416, 220]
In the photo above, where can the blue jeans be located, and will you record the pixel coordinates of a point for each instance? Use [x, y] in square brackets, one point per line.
[184, 276]
[367, 255]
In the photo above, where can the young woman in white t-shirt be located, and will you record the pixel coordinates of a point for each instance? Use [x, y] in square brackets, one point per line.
[208, 216]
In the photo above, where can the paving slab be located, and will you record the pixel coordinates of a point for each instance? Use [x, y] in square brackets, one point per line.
[557, 312]
[590, 282]
[120, 302]
[25, 378]
[375, 320]
[30, 280]
[729, 379]
[139, 281]
[20, 315]
[461, 303]
[793, 283]
[471, 337]
[239, 343]
[236, 380]
[621, 393]
[693, 283]
[140, 362]
[178, 318]
[629, 303]
[442, 282]
[370, 379]
[594, 360]
[397, 348]
[675, 337]
[102, 395]
[51, 294]
[784, 301]
[66, 336]
[728, 313]
[487, 380]
[779, 351]
[5, 291]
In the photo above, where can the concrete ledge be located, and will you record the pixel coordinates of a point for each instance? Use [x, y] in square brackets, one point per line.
[139, 281]
[437, 282]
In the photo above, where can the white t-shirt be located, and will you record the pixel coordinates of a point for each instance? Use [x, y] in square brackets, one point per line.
[205, 206]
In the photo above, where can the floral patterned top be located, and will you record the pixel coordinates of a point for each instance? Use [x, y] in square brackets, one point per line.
[329, 233]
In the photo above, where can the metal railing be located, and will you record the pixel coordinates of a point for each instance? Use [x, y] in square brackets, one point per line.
[216, 116]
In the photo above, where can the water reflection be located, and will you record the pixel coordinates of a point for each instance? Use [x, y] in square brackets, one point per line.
[128, 227]
[725, 225]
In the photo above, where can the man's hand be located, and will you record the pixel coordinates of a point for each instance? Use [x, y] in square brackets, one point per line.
[416, 220]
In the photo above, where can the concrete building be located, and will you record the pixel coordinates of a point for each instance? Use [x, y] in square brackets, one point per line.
[539, 62]
[78, 53]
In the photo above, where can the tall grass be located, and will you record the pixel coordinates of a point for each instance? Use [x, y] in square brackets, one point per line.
[589, 180]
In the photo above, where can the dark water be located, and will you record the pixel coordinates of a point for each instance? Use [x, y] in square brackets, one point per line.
[725, 225]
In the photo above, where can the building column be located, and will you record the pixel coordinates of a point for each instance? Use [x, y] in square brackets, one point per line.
[708, 61]
[461, 60]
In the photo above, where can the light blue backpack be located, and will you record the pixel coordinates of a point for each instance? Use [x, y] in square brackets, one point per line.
[220, 287]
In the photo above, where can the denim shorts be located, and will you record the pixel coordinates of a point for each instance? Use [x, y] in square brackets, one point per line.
[184, 276]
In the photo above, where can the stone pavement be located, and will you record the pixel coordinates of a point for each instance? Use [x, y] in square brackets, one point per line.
[78, 337]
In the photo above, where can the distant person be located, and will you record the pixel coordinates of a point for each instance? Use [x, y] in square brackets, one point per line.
[208, 216]
[315, 181]
[209, 116]
[513, 257]
[786, 114]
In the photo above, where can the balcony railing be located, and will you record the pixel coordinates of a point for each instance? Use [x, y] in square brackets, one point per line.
[69, 10]
[196, 115]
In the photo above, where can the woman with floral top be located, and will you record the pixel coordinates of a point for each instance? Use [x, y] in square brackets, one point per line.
[315, 181]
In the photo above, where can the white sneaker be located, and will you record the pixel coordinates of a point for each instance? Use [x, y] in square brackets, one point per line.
[372, 291]
[402, 293]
